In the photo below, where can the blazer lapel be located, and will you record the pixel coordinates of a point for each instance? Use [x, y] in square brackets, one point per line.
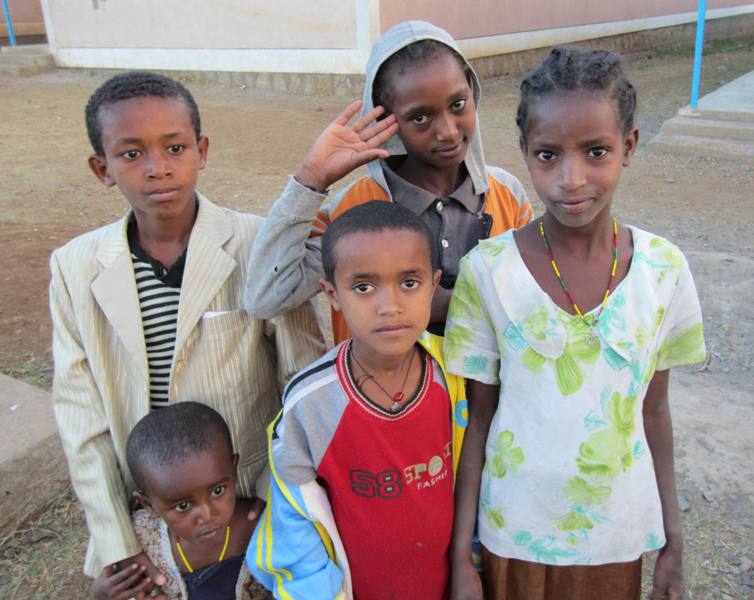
[115, 291]
[208, 265]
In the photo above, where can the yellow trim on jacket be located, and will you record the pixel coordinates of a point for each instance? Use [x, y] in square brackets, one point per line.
[459, 415]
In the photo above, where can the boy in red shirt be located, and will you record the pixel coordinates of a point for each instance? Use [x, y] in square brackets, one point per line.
[364, 451]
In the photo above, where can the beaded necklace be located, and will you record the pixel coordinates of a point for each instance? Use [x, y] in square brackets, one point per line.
[399, 397]
[590, 338]
[185, 560]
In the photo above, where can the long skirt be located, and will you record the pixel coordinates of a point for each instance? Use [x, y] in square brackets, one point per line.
[512, 579]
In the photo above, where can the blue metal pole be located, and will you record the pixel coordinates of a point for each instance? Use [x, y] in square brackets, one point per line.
[11, 35]
[698, 53]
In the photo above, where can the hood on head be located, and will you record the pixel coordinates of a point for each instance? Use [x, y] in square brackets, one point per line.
[395, 38]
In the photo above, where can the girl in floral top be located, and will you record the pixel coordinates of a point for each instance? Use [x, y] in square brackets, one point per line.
[566, 331]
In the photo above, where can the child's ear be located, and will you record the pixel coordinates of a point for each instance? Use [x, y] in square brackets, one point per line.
[522, 145]
[143, 499]
[328, 289]
[235, 463]
[203, 146]
[629, 146]
[436, 280]
[98, 165]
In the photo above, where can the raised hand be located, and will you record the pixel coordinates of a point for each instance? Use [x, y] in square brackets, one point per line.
[341, 147]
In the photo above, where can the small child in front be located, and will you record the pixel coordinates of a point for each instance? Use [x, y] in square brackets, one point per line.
[566, 331]
[192, 526]
[363, 453]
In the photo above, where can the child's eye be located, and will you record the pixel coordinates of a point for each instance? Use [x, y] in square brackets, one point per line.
[176, 148]
[545, 155]
[363, 288]
[597, 152]
[411, 284]
[182, 506]
[218, 491]
[420, 119]
[131, 154]
[458, 104]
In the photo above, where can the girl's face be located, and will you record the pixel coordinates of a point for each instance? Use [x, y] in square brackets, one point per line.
[575, 150]
[434, 106]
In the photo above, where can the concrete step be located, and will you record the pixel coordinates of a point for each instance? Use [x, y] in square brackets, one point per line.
[710, 128]
[27, 49]
[15, 62]
[741, 151]
[734, 113]
[33, 469]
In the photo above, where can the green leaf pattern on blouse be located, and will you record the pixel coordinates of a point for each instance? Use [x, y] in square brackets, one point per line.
[611, 443]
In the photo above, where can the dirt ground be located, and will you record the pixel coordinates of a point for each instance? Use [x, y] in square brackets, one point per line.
[47, 196]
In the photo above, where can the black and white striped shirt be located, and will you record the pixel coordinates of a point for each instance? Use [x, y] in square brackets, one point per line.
[159, 291]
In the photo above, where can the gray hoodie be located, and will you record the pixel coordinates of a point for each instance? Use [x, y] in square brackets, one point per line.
[392, 41]
[286, 263]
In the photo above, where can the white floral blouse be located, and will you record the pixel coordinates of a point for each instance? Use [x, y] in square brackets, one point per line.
[568, 477]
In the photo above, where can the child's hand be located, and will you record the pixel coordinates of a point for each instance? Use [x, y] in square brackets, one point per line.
[667, 583]
[341, 147]
[153, 577]
[465, 582]
[120, 585]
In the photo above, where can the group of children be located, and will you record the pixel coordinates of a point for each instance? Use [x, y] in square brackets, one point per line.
[498, 383]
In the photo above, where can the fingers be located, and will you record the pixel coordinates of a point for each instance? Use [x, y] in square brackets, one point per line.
[365, 156]
[382, 133]
[368, 118]
[377, 128]
[346, 115]
[154, 574]
[126, 580]
[142, 588]
[364, 121]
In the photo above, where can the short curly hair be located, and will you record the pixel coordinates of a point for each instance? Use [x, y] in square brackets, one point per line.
[572, 69]
[171, 434]
[373, 216]
[134, 84]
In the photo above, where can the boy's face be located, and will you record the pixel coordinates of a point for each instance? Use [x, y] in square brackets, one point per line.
[151, 154]
[196, 495]
[383, 286]
[434, 106]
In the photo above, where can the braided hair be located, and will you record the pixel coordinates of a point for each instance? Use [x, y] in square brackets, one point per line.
[404, 60]
[572, 69]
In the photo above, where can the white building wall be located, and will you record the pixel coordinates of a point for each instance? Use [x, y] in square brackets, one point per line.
[317, 36]
[284, 36]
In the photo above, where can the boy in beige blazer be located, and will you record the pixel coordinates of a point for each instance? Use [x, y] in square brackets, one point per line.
[148, 311]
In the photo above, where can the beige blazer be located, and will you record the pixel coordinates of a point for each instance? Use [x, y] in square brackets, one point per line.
[223, 357]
